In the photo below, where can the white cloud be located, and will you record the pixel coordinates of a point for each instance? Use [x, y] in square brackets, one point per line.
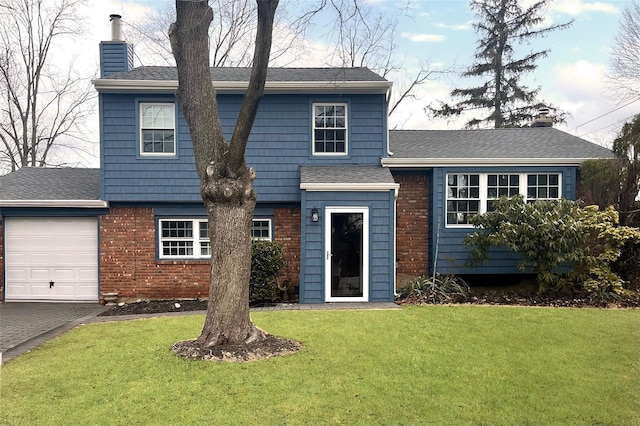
[455, 27]
[580, 80]
[578, 7]
[424, 38]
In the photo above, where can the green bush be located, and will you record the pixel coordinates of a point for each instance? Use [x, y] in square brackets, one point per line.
[267, 261]
[438, 289]
[567, 246]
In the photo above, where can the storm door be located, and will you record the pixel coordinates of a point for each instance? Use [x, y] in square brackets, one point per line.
[346, 254]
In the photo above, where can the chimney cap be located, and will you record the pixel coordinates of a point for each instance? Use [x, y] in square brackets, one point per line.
[114, 16]
[542, 119]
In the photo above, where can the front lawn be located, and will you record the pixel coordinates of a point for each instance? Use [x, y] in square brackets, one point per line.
[418, 365]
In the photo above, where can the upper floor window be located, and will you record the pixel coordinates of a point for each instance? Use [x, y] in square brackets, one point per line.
[157, 129]
[470, 194]
[330, 129]
[189, 238]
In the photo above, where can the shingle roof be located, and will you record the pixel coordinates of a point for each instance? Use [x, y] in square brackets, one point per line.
[517, 143]
[238, 74]
[38, 183]
[345, 175]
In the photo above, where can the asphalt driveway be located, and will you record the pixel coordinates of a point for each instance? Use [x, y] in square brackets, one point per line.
[23, 326]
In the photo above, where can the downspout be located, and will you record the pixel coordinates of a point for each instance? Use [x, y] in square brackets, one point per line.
[388, 99]
[395, 242]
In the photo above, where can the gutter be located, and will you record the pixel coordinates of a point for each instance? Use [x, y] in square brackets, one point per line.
[111, 85]
[350, 187]
[479, 162]
[87, 204]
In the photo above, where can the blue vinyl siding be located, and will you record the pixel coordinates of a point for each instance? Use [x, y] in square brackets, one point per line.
[279, 143]
[381, 244]
[115, 57]
[453, 254]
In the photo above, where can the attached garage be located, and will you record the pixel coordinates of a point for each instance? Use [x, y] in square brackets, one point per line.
[49, 235]
[51, 259]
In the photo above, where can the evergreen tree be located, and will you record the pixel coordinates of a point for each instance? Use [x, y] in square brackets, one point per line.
[501, 25]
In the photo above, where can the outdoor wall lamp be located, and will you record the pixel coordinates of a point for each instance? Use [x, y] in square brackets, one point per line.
[314, 215]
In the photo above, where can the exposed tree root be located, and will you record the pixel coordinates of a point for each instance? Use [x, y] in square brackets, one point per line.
[255, 350]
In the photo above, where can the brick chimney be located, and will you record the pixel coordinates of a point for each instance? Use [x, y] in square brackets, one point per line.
[116, 55]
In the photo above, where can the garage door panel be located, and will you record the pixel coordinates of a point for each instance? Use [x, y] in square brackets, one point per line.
[90, 275]
[41, 250]
[39, 275]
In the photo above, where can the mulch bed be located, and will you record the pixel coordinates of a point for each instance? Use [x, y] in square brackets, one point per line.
[479, 296]
[268, 347]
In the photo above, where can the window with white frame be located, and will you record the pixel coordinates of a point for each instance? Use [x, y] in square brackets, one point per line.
[470, 194]
[329, 128]
[184, 239]
[261, 229]
[157, 128]
[189, 238]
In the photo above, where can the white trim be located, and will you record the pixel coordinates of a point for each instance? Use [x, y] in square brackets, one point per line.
[344, 153]
[328, 211]
[479, 162]
[270, 237]
[483, 184]
[369, 187]
[195, 238]
[87, 204]
[111, 85]
[141, 151]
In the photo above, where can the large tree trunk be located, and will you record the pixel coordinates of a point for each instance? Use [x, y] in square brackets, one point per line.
[226, 182]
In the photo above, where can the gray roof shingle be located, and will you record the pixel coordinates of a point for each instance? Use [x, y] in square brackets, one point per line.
[520, 143]
[345, 175]
[238, 74]
[38, 183]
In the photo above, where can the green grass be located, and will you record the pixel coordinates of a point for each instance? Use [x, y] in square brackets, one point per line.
[418, 365]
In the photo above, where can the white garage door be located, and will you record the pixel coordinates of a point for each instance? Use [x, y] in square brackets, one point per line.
[51, 259]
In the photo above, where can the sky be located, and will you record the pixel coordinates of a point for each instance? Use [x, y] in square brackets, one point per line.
[439, 33]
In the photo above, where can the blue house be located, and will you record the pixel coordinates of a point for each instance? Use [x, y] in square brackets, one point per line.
[356, 207]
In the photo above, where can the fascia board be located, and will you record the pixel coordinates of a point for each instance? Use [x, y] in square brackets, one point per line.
[89, 204]
[370, 187]
[480, 162]
[105, 85]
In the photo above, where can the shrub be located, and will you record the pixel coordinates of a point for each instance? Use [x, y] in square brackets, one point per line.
[438, 289]
[567, 246]
[267, 261]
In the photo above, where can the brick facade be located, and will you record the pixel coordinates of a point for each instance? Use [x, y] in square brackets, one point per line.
[287, 233]
[128, 262]
[412, 227]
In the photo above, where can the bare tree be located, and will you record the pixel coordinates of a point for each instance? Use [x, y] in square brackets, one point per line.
[364, 37]
[231, 34]
[625, 53]
[42, 106]
[226, 181]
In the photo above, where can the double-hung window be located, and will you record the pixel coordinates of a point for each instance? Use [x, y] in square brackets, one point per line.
[471, 194]
[157, 128]
[184, 239]
[189, 238]
[329, 129]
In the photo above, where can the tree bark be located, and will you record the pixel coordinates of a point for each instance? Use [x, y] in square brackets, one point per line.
[226, 184]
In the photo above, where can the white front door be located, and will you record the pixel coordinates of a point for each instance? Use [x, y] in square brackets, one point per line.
[346, 254]
[51, 259]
